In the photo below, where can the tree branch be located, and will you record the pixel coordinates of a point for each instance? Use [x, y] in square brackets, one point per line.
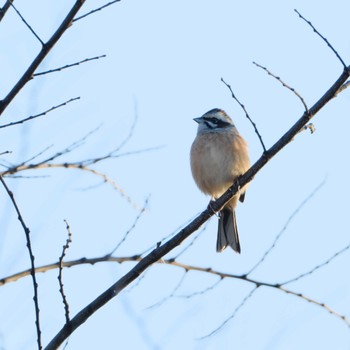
[32, 258]
[41, 56]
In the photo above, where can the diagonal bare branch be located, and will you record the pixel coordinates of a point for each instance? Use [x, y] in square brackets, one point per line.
[285, 85]
[68, 65]
[323, 38]
[27, 24]
[66, 23]
[246, 113]
[40, 114]
[95, 10]
[296, 211]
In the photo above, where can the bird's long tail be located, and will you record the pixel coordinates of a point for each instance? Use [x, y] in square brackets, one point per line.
[227, 231]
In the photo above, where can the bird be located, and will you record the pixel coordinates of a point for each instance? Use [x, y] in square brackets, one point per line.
[218, 156]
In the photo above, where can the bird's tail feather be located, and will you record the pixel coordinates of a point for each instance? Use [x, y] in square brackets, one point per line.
[227, 231]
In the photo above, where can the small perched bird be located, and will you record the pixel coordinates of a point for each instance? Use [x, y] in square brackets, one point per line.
[219, 155]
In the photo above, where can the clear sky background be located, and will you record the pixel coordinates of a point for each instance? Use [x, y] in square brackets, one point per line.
[164, 63]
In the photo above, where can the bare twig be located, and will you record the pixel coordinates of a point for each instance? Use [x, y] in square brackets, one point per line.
[201, 292]
[77, 166]
[242, 303]
[323, 38]
[31, 256]
[172, 294]
[41, 56]
[95, 10]
[296, 211]
[338, 253]
[5, 152]
[246, 113]
[68, 66]
[27, 24]
[40, 114]
[142, 210]
[60, 270]
[285, 85]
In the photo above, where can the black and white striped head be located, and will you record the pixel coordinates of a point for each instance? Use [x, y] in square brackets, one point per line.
[214, 120]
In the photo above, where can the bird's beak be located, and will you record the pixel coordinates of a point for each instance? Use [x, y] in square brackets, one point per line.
[198, 120]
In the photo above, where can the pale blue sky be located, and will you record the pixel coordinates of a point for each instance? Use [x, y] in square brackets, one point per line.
[164, 62]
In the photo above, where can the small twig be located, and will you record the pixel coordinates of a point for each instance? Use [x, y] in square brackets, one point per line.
[247, 297]
[113, 154]
[32, 258]
[27, 24]
[40, 114]
[315, 302]
[285, 85]
[68, 66]
[191, 243]
[201, 292]
[323, 38]
[143, 209]
[247, 115]
[78, 166]
[60, 270]
[5, 152]
[172, 294]
[93, 11]
[339, 252]
[296, 211]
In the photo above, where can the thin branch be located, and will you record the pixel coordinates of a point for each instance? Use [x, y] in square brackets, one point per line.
[285, 85]
[172, 294]
[201, 292]
[60, 270]
[315, 302]
[41, 56]
[77, 166]
[296, 211]
[338, 253]
[246, 113]
[113, 154]
[142, 210]
[242, 303]
[192, 242]
[27, 24]
[68, 66]
[31, 256]
[186, 267]
[40, 114]
[323, 38]
[94, 11]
